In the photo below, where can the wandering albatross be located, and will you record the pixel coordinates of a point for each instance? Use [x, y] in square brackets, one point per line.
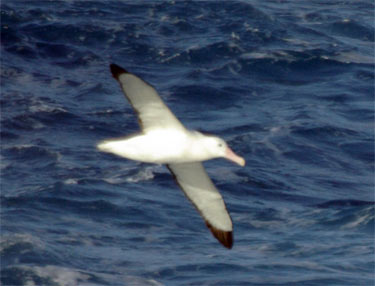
[164, 140]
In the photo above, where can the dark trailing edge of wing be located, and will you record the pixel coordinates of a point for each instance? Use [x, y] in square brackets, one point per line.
[117, 70]
[224, 237]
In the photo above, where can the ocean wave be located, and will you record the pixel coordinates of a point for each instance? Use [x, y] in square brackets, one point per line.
[346, 203]
[126, 175]
[45, 275]
[24, 274]
[41, 158]
[290, 87]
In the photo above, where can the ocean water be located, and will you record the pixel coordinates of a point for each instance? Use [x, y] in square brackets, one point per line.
[289, 85]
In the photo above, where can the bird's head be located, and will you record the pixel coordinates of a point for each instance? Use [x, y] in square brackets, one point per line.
[217, 147]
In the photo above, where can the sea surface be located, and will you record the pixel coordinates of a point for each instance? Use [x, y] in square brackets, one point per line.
[288, 84]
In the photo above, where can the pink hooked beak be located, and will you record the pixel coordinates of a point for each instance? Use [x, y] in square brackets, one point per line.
[230, 155]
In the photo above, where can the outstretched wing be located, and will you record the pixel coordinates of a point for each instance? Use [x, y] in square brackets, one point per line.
[198, 187]
[150, 108]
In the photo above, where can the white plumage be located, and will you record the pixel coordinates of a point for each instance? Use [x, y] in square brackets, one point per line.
[165, 140]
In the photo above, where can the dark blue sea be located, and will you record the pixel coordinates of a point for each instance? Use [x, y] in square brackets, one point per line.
[288, 84]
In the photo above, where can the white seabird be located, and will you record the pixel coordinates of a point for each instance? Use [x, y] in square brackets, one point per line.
[164, 140]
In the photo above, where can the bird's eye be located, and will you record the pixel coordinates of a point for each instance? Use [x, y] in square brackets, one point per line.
[220, 145]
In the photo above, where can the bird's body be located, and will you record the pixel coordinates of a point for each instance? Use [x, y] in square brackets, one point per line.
[164, 140]
[162, 147]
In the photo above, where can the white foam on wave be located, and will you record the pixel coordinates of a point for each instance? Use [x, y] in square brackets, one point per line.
[71, 181]
[43, 107]
[229, 174]
[342, 57]
[362, 218]
[275, 55]
[32, 148]
[9, 240]
[143, 174]
[35, 124]
[64, 276]
[256, 55]
[354, 57]
[139, 281]
[22, 146]
[273, 131]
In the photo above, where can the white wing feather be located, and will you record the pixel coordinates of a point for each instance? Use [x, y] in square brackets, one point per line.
[198, 187]
[151, 110]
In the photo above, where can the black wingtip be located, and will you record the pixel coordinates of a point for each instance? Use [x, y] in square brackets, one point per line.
[224, 237]
[116, 70]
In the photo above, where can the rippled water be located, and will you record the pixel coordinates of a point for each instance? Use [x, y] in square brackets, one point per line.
[289, 85]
